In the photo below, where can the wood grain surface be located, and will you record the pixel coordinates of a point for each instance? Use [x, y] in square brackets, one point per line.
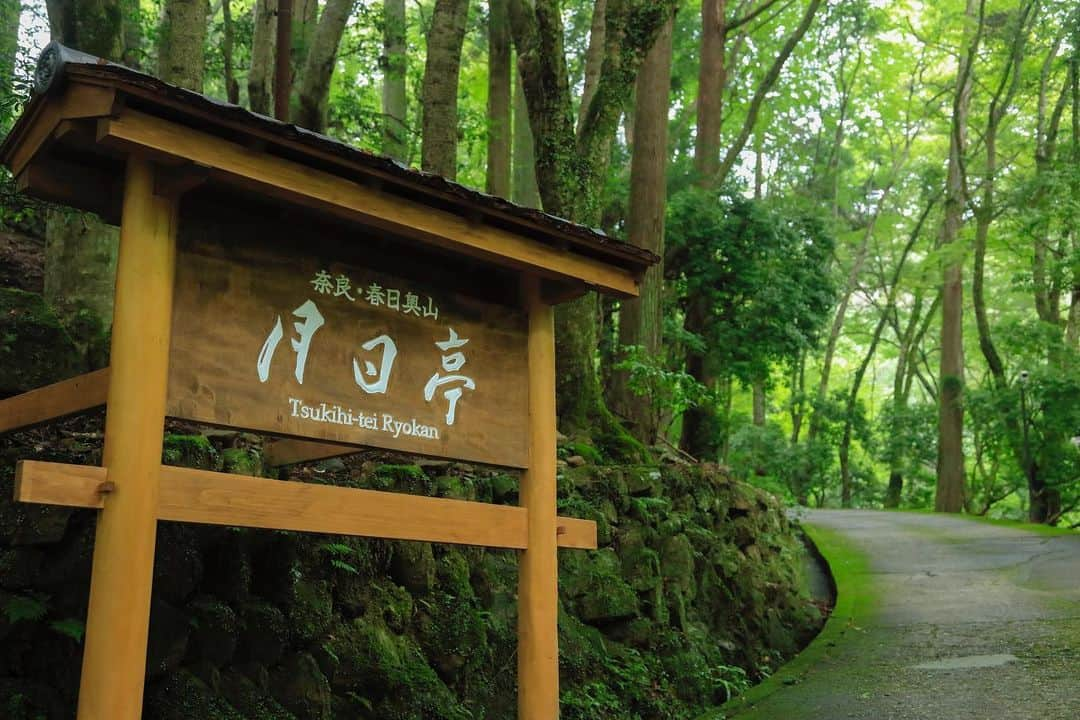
[199, 496]
[233, 293]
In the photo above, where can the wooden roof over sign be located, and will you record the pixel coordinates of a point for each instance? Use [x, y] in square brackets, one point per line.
[87, 115]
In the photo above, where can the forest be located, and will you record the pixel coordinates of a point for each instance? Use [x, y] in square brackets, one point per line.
[868, 219]
[867, 211]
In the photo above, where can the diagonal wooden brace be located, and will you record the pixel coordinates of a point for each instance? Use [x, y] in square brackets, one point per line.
[199, 496]
[55, 401]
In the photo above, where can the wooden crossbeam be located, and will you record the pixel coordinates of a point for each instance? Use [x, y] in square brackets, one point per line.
[67, 397]
[199, 496]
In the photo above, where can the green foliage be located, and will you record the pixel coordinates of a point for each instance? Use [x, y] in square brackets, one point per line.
[70, 627]
[671, 392]
[759, 269]
[339, 555]
[19, 608]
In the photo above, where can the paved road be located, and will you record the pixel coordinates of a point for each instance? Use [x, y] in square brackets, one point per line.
[971, 621]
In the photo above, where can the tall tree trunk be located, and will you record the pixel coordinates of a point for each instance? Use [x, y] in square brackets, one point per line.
[283, 58]
[640, 319]
[500, 91]
[93, 26]
[263, 41]
[700, 424]
[438, 153]
[951, 475]
[1072, 326]
[183, 38]
[525, 191]
[712, 78]
[99, 27]
[9, 50]
[395, 139]
[80, 249]
[318, 69]
[703, 430]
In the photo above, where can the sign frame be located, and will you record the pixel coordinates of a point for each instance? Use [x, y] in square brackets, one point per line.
[107, 139]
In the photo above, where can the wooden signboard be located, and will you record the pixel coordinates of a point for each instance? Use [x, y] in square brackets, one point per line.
[293, 344]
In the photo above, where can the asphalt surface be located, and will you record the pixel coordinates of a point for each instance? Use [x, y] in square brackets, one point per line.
[966, 620]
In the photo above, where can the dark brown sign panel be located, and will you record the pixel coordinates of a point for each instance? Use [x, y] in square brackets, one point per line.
[311, 347]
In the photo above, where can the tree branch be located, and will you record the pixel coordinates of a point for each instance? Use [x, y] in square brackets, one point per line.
[763, 89]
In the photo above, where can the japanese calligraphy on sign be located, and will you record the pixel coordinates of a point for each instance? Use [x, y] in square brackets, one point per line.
[338, 352]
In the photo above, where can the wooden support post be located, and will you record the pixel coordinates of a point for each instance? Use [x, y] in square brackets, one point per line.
[538, 581]
[114, 661]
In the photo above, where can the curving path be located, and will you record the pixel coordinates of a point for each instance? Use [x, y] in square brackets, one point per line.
[952, 620]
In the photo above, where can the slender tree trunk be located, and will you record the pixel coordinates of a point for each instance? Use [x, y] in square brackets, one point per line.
[909, 340]
[951, 474]
[844, 451]
[895, 489]
[836, 329]
[984, 218]
[594, 59]
[438, 152]
[798, 402]
[640, 319]
[263, 42]
[318, 69]
[757, 389]
[1072, 326]
[305, 27]
[228, 39]
[712, 78]
[500, 91]
[395, 138]
[183, 38]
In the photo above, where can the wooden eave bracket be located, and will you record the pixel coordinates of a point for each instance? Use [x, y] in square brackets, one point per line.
[199, 496]
[48, 178]
[38, 130]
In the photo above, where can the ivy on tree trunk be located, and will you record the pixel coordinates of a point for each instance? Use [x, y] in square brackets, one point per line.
[571, 162]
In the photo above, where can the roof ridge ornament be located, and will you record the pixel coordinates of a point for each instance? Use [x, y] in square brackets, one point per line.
[52, 60]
